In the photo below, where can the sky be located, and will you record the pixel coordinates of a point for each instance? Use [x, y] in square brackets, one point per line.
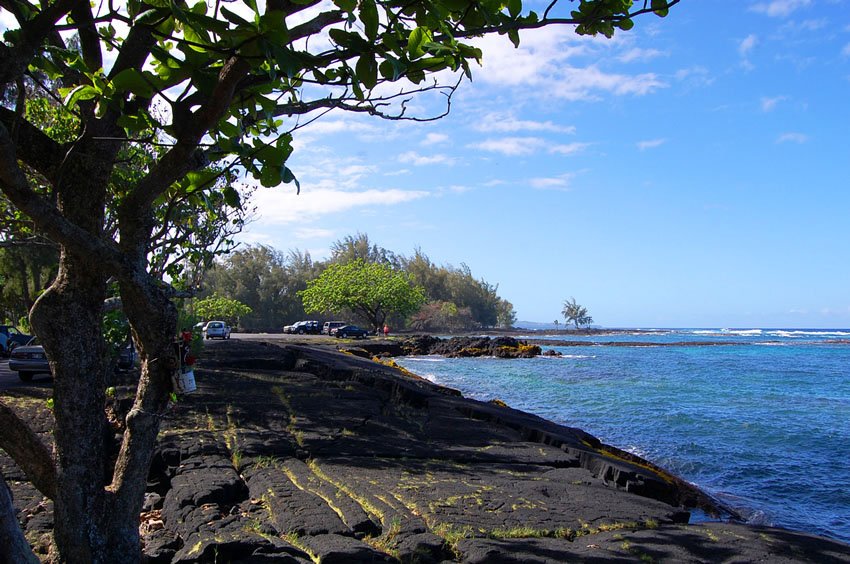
[692, 172]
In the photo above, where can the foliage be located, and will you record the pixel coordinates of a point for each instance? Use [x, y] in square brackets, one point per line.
[219, 308]
[267, 281]
[370, 290]
[359, 247]
[460, 287]
[575, 313]
[442, 316]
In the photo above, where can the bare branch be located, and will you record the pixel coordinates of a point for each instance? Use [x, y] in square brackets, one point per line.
[28, 451]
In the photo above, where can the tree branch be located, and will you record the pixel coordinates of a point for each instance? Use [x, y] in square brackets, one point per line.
[33, 147]
[28, 451]
[47, 218]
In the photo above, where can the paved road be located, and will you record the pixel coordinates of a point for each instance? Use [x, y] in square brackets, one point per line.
[10, 380]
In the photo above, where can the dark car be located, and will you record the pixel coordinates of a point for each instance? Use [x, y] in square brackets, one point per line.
[11, 337]
[29, 360]
[126, 357]
[350, 331]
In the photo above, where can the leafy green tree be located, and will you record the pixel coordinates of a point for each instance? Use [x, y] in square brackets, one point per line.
[187, 86]
[359, 247]
[575, 313]
[222, 309]
[370, 290]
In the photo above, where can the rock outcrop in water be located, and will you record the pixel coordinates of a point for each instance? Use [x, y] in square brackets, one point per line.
[299, 454]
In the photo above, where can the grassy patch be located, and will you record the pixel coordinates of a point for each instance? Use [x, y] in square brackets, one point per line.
[295, 540]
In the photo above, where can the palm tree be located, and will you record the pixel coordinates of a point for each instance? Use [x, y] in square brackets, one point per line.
[575, 313]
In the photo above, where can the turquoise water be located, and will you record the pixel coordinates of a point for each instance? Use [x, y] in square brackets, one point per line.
[762, 422]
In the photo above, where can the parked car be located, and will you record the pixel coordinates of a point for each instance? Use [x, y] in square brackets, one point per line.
[28, 360]
[350, 331]
[216, 330]
[303, 327]
[329, 325]
[127, 356]
[11, 337]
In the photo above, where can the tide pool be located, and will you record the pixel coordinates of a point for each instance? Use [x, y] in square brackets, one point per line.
[761, 421]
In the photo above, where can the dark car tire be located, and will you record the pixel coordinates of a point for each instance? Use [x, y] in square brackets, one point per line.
[25, 376]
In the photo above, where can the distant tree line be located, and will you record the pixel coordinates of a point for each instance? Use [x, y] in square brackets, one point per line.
[271, 283]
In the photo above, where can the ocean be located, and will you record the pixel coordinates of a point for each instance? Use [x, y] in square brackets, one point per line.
[758, 418]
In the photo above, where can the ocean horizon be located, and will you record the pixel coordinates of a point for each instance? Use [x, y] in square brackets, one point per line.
[759, 418]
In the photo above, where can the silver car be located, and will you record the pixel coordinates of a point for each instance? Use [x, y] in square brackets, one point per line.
[216, 330]
[29, 360]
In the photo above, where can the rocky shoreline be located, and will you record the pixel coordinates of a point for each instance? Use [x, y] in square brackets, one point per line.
[294, 453]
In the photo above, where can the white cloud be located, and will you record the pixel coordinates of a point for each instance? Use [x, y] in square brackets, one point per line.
[434, 139]
[546, 63]
[780, 8]
[694, 77]
[650, 144]
[769, 104]
[276, 206]
[508, 123]
[639, 54]
[313, 233]
[846, 51]
[747, 44]
[561, 182]
[414, 158]
[521, 146]
[567, 149]
[331, 126]
[511, 146]
[793, 137]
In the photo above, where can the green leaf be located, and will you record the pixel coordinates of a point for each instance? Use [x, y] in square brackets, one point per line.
[231, 196]
[626, 24]
[660, 7]
[514, 8]
[346, 5]
[80, 93]
[513, 35]
[369, 17]
[289, 177]
[270, 176]
[415, 42]
[233, 17]
[367, 70]
[133, 81]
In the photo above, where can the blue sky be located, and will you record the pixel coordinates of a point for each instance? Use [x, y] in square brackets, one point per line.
[690, 173]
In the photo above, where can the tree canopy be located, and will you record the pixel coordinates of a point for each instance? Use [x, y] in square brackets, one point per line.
[575, 313]
[169, 99]
[219, 308]
[368, 289]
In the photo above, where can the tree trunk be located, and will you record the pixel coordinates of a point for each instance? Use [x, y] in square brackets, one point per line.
[67, 319]
[13, 545]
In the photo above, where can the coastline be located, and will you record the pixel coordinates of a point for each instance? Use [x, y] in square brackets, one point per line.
[366, 463]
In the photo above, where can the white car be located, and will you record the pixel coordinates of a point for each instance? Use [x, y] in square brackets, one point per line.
[216, 330]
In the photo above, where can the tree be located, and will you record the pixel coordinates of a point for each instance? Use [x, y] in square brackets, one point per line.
[575, 313]
[186, 86]
[371, 290]
[359, 247]
[225, 309]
